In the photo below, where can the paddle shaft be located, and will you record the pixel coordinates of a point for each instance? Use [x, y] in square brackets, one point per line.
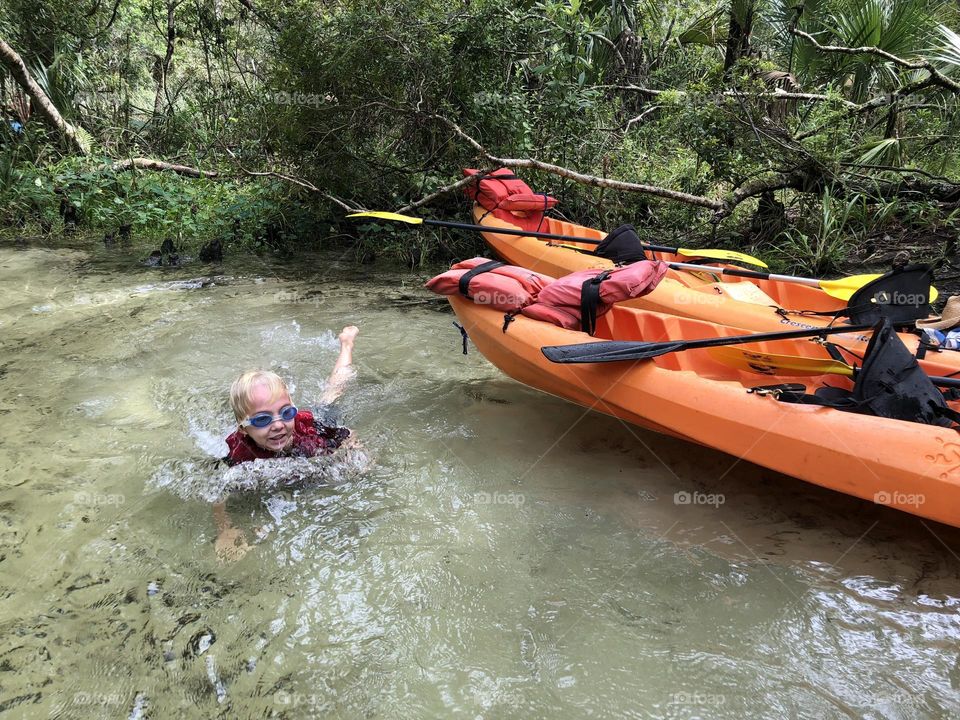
[530, 233]
[613, 350]
[811, 282]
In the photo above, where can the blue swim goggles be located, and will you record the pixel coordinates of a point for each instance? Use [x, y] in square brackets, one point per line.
[265, 419]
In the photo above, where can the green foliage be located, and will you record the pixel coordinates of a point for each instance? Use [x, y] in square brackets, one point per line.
[818, 246]
[348, 96]
[154, 206]
[900, 27]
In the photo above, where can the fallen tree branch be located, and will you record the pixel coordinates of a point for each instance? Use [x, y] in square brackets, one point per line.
[158, 165]
[766, 95]
[306, 184]
[796, 180]
[938, 77]
[434, 195]
[698, 200]
[18, 69]
[880, 101]
[902, 170]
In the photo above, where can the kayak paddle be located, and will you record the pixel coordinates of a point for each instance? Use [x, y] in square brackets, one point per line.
[766, 363]
[843, 288]
[774, 364]
[708, 253]
[618, 350]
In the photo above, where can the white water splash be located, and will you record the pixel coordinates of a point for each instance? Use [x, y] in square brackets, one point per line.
[211, 481]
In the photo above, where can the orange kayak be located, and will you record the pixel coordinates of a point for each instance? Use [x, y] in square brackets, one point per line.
[750, 305]
[691, 395]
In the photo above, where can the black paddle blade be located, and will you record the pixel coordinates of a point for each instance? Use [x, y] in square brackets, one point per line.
[608, 351]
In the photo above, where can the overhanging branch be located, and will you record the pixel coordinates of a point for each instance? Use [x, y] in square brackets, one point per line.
[938, 77]
[583, 178]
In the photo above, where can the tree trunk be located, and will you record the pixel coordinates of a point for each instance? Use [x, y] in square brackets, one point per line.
[163, 66]
[18, 69]
[738, 36]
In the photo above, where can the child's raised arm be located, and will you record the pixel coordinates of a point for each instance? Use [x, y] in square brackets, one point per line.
[343, 368]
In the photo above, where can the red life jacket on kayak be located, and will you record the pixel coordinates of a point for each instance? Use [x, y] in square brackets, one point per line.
[488, 282]
[508, 197]
[575, 301]
[310, 437]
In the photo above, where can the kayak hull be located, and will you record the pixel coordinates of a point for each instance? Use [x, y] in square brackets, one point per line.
[690, 395]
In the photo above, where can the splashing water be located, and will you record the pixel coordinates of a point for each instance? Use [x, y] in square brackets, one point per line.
[212, 481]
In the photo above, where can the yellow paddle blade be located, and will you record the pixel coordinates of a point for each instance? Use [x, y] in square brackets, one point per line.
[844, 288]
[765, 363]
[388, 216]
[722, 255]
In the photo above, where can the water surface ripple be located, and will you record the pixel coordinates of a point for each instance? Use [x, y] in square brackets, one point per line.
[491, 552]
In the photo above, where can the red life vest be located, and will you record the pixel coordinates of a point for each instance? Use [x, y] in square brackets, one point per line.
[502, 287]
[508, 197]
[309, 438]
[563, 301]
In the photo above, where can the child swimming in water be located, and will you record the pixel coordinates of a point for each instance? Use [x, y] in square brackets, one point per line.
[271, 426]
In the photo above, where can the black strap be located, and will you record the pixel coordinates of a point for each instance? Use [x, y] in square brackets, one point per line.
[507, 319]
[491, 176]
[469, 275]
[948, 413]
[836, 398]
[827, 396]
[842, 312]
[463, 335]
[590, 301]
[834, 352]
[784, 312]
[793, 390]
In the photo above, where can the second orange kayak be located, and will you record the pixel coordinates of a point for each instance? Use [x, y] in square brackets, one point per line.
[750, 305]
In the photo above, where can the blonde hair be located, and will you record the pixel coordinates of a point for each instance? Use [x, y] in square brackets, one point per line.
[242, 388]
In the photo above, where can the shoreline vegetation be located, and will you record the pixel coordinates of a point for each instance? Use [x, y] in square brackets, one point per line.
[820, 136]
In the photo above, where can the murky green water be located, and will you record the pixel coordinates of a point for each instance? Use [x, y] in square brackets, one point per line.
[498, 554]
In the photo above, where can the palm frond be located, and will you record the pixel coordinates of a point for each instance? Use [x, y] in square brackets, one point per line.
[948, 53]
[881, 152]
[709, 29]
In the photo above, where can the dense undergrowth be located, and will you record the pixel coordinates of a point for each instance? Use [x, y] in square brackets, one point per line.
[354, 103]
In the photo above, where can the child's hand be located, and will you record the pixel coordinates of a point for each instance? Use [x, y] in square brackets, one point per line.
[231, 545]
[349, 334]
